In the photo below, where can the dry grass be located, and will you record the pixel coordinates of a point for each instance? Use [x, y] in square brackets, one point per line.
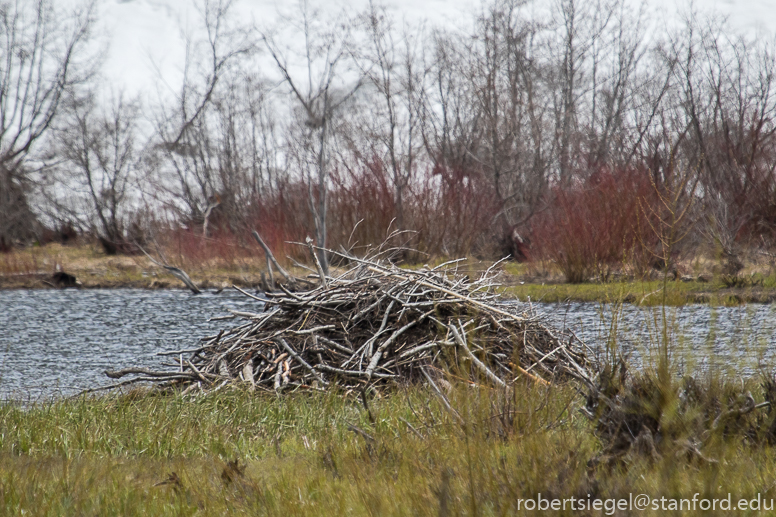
[32, 268]
[541, 280]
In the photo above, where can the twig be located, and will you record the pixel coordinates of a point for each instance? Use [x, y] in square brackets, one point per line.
[302, 361]
[176, 272]
[317, 263]
[479, 364]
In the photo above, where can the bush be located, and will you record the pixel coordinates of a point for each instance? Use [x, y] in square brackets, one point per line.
[593, 227]
[449, 212]
[361, 206]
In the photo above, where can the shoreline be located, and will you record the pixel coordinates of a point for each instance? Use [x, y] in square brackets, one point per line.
[34, 268]
[44, 281]
[630, 292]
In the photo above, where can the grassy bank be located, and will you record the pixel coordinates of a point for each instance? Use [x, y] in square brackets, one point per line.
[322, 454]
[33, 268]
[649, 292]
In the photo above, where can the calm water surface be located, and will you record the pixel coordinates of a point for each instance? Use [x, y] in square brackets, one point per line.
[58, 342]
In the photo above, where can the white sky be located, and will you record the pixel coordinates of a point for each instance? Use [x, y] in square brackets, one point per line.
[142, 33]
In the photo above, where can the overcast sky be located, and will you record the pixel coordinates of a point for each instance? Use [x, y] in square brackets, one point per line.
[144, 34]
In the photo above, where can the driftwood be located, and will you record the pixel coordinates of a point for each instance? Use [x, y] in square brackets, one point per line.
[377, 325]
[174, 271]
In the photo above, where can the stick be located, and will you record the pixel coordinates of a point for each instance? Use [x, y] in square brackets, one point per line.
[117, 374]
[271, 281]
[442, 397]
[452, 293]
[479, 364]
[183, 277]
[317, 262]
[291, 280]
[353, 373]
[356, 430]
[417, 433]
[381, 349]
[302, 361]
[176, 272]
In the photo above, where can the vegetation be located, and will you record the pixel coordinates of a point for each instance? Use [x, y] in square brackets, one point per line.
[761, 289]
[226, 262]
[238, 452]
[580, 140]
[467, 450]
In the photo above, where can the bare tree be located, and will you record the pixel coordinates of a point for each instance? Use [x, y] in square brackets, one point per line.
[319, 91]
[185, 129]
[43, 54]
[722, 101]
[738, 136]
[506, 81]
[616, 82]
[396, 72]
[100, 152]
[580, 26]
[450, 123]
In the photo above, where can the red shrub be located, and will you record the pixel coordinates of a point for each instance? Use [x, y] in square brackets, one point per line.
[596, 225]
[453, 212]
[448, 212]
[366, 195]
[188, 248]
[280, 218]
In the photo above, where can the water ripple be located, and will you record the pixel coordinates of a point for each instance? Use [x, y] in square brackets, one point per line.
[738, 340]
[55, 342]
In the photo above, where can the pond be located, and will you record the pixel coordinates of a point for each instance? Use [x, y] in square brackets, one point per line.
[59, 342]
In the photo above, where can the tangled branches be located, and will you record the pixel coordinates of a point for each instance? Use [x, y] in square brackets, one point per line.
[375, 325]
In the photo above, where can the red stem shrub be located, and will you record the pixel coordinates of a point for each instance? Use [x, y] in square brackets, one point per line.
[593, 227]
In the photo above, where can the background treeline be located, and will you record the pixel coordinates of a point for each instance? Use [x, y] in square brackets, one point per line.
[587, 132]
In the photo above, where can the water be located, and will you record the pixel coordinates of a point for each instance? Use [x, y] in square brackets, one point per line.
[736, 340]
[59, 342]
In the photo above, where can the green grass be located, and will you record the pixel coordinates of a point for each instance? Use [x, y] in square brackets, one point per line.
[649, 293]
[145, 453]
[298, 455]
[101, 456]
[638, 292]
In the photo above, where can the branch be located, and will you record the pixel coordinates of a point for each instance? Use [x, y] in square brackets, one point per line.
[176, 272]
[291, 280]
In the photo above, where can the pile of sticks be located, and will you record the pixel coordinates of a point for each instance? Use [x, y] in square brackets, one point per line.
[376, 324]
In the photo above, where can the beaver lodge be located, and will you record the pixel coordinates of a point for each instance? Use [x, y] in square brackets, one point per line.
[376, 325]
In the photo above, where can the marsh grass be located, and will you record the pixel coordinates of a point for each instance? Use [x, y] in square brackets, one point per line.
[677, 404]
[142, 453]
[399, 453]
[301, 454]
